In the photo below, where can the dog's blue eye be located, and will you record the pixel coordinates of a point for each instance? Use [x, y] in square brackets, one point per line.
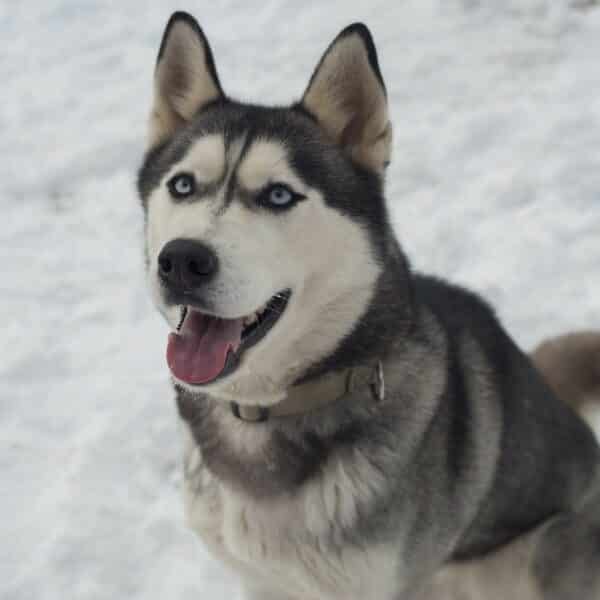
[279, 195]
[182, 185]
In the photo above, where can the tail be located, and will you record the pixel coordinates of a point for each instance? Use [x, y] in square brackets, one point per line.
[570, 364]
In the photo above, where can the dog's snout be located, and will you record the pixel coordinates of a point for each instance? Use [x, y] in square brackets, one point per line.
[186, 264]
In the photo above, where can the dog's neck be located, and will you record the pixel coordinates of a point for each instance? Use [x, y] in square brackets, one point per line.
[389, 317]
[316, 393]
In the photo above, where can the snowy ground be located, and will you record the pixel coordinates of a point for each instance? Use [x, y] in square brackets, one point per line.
[495, 183]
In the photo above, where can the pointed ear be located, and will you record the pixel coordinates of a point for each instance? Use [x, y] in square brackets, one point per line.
[185, 78]
[347, 96]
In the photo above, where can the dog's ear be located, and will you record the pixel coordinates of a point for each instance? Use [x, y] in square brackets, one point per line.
[347, 96]
[185, 78]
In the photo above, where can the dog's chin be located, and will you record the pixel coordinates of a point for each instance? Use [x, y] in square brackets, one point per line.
[209, 354]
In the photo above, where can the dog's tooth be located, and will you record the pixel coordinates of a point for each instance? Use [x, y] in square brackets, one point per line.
[182, 315]
[250, 319]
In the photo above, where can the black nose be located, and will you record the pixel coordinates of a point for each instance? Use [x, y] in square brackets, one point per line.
[186, 264]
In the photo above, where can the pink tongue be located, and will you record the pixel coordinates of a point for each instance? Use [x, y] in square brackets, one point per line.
[197, 354]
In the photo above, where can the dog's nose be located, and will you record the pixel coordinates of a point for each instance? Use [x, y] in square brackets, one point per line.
[186, 264]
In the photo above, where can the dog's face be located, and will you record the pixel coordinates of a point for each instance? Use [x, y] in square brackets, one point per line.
[258, 220]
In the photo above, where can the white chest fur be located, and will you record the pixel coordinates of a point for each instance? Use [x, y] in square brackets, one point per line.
[293, 543]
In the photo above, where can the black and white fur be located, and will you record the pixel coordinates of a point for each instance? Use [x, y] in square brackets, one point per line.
[466, 479]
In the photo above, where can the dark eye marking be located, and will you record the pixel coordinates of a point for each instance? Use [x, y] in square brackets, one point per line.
[278, 196]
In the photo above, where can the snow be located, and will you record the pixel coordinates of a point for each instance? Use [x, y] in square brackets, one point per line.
[494, 183]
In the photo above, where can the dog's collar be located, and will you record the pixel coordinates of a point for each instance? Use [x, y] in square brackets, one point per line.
[306, 397]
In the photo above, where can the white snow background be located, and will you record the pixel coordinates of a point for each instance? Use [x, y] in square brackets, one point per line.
[495, 183]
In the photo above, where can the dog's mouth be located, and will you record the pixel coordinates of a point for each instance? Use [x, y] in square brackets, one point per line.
[205, 347]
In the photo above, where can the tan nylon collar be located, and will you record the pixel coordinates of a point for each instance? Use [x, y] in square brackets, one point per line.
[309, 396]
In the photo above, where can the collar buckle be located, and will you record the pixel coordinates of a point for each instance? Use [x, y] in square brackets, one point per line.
[378, 384]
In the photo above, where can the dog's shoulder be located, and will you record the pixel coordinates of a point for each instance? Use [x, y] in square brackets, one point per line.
[542, 442]
[456, 307]
[465, 315]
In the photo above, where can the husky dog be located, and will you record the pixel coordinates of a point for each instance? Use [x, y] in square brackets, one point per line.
[353, 430]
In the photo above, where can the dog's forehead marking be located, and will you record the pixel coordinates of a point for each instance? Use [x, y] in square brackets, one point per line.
[235, 154]
[235, 151]
[205, 158]
[265, 161]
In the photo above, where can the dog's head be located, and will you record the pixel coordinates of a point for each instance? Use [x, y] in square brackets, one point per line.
[263, 225]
